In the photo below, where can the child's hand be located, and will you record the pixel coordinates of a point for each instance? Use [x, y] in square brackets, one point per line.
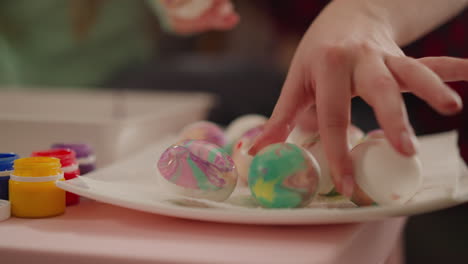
[194, 16]
[346, 54]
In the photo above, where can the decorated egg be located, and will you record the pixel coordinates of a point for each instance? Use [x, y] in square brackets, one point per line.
[240, 154]
[228, 148]
[311, 142]
[384, 176]
[283, 175]
[204, 130]
[197, 169]
[240, 125]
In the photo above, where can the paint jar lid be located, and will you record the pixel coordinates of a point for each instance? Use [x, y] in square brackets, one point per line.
[67, 157]
[5, 210]
[37, 167]
[7, 160]
[82, 150]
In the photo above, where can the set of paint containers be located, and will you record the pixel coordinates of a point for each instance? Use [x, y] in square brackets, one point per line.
[29, 183]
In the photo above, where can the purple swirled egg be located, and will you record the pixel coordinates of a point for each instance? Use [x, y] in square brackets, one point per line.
[204, 130]
[197, 169]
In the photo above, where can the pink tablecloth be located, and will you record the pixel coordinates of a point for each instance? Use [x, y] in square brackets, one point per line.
[93, 232]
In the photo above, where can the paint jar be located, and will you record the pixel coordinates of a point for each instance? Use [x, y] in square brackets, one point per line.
[70, 167]
[5, 210]
[84, 155]
[6, 167]
[33, 193]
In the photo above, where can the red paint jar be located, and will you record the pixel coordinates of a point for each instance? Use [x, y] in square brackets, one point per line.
[70, 168]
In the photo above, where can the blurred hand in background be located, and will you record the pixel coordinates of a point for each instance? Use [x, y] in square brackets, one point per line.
[195, 16]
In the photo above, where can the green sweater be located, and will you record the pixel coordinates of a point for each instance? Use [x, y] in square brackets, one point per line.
[38, 46]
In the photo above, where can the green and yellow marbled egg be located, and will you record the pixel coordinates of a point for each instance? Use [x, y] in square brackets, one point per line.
[283, 175]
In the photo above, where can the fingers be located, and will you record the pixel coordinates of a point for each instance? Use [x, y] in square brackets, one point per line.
[293, 100]
[424, 83]
[307, 120]
[376, 85]
[448, 69]
[333, 109]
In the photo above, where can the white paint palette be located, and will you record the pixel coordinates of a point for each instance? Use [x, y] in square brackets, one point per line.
[133, 184]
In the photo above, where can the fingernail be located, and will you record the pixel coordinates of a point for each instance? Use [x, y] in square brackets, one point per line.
[455, 105]
[252, 151]
[459, 101]
[408, 143]
[348, 185]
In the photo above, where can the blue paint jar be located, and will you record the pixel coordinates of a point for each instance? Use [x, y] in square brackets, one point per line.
[6, 167]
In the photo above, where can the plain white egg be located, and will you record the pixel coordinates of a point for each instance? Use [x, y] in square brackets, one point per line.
[384, 175]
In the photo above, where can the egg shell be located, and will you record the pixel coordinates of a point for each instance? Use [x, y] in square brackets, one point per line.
[283, 175]
[204, 130]
[384, 175]
[228, 148]
[311, 142]
[242, 124]
[197, 169]
[326, 181]
[240, 154]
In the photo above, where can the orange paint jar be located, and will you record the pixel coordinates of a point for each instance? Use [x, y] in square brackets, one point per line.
[32, 189]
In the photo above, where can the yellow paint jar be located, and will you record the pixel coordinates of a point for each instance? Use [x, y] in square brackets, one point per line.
[33, 193]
